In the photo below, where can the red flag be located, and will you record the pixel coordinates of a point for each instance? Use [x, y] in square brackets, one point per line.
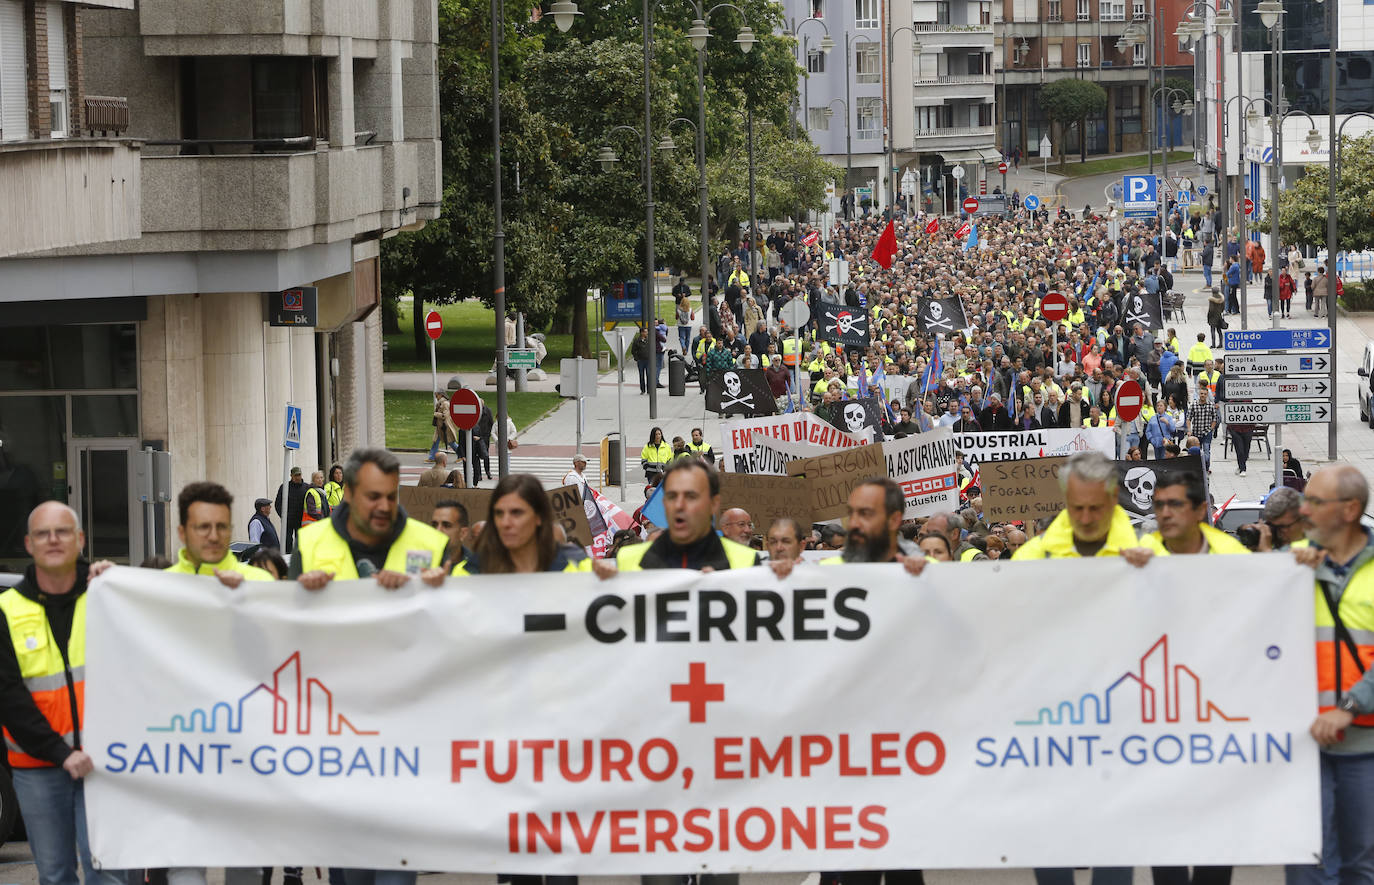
[886, 249]
[812, 238]
[934, 226]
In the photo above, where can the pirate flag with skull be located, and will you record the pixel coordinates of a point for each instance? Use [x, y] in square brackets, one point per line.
[1143, 308]
[739, 392]
[853, 416]
[841, 324]
[1136, 490]
[945, 315]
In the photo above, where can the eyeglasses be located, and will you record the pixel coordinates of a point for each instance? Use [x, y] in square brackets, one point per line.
[1318, 502]
[730, 525]
[209, 528]
[65, 533]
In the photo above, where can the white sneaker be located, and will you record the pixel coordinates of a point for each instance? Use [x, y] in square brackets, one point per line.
[1240, 473]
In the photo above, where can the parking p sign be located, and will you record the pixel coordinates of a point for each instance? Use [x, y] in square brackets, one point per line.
[1140, 195]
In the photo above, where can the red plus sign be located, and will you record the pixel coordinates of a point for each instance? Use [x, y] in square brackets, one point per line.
[697, 692]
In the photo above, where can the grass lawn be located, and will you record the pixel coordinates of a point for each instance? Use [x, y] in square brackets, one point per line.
[1115, 164]
[468, 341]
[408, 414]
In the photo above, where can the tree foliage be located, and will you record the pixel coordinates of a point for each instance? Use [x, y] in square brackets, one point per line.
[1303, 206]
[569, 225]
[1071, 101]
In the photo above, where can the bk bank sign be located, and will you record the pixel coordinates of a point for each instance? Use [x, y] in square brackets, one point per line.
[849, 717]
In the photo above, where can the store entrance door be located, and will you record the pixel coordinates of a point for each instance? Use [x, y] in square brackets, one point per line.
[101, 488]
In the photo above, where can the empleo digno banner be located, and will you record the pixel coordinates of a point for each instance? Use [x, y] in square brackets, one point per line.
[849, 717]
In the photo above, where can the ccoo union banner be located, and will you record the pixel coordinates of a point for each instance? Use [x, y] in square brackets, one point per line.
[852, 717]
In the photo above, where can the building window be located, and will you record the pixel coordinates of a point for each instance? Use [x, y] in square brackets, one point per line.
[1085, 10]
[815, 62]
[1128, 113]
[869, 114]
[1085, 55]
[816, 119]
[1138, 55]
[865, 13]
[867, 67]
[58, 102]
[1138, 10]
[934, 117]
[816, 11]
[1023, 10]
[14, 107]
[1055, 11]
[984, 13]
[942, 12]
[1113, 10]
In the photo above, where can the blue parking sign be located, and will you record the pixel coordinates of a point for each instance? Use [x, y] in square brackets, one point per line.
[1140, 195]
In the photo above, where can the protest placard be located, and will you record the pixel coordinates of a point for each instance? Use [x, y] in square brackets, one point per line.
[830, 477]
[767, 498]
[419, 502]
[569, 509]
[924, 466]
[1020, 491]
[737, 437]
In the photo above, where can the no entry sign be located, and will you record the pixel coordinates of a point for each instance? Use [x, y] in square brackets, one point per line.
[465, 408]
[434, 325]
[1002, 167]
[1129, 400]
[1054, 307]
[971, 205]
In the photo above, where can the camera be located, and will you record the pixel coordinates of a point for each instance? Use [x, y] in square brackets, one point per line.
[1249, 535]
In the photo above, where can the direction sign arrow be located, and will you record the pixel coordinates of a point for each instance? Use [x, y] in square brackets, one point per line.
[1275, 413]
[1276, 339]
[1275, 388]
[1275, 364]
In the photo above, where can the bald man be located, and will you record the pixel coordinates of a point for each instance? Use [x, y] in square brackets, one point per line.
[47, 610]
[737, 525]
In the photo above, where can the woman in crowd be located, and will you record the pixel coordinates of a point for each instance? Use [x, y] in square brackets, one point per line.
[519, 537]
[655, 455]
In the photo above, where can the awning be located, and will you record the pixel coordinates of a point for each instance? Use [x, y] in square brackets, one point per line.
[991, 156]
[953, 157]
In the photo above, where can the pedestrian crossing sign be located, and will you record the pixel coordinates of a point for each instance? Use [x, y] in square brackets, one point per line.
[291, 439]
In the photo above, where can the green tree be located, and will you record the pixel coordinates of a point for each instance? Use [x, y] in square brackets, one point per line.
[1072, 101]
[1302, 207]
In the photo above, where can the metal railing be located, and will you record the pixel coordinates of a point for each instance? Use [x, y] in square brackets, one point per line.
[106, 114]
[295, 143]
[954, 80]
[947, 28]
[956, 130]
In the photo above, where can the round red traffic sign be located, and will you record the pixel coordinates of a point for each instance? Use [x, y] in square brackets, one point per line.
[1002, 167]
[1249, 206]
[971, 205]
[465, 408]
[1054, 307]
[1129, 399]
[434, 325]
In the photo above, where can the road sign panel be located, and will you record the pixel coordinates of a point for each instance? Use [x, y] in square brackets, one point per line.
[971, 205]
[1183, 197]
[1140, 193]
[795, 314]
[465, 408]
[1129, 399]
[1032, 202]
[291, 438]
[1002, 167]
[1275, 364]
[1249, 206]
[1202, 190]
[1185, 183]
[434, 325]
[1276, 339]
[522, 359]
[1275, 388]
[1276, 413]
[1054, 307]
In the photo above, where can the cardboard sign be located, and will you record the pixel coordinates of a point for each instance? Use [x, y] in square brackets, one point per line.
[830, 477]
[569, 508]
[924, 466]
[767, 498]
[419, 503]
[1021, 491]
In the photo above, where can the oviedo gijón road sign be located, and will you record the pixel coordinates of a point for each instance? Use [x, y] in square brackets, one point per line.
[1276, 339]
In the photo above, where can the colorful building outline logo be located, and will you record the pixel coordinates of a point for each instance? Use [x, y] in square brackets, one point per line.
[1068, 712]
[298, 689]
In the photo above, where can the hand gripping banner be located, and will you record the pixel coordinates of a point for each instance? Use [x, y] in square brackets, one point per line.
[851, 717]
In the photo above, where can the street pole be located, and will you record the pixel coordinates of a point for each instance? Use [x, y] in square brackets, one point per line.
[520, 386]
[1333, 167]
[1149, 87]
[848, 145]
[753, 218]
[1242, 215]
[499, 245]
[650, 306]
[1276, 132]
[701, 187]
[891, 155]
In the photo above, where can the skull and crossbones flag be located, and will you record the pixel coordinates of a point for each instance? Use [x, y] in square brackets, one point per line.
[941, 315]
[1143, 308]
[1138, 479]
[841, 324]
[739, 392]
[853, 415]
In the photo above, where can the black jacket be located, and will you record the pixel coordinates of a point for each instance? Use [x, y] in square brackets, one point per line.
[17, 709]
[709, 550]
[295, 503]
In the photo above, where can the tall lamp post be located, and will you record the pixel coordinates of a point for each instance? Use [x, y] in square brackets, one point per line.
[1193, 31]
[1183, 105]
[1018, 54]
[850, 41]
[827, 43]
[699, 33]
[916, 50]
[848, 144]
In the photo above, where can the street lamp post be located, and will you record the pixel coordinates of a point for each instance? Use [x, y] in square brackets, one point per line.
[1192, 31]
[848, 145]
[1183, 106]
[850, 41]
[699, 33]
[827, 43]
[916, 49]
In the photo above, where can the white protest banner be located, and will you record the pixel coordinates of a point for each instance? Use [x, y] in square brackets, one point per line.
[1014, 445]
[999, 714]
[924, 466]
[771, 456]
[737, 437]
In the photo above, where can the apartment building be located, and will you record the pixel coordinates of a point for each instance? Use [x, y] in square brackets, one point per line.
[941, 87]
[1234, 79]
[1043, 40]
[265, 145]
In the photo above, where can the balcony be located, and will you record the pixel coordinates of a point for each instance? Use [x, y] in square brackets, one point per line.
[954, 137]
[274, 27]
[60, 193]
[935, 36]
[931, 89]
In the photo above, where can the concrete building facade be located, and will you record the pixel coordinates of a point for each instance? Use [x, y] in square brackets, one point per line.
[275, 144]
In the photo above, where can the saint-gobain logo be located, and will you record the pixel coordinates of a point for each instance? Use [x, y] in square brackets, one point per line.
[290, 701]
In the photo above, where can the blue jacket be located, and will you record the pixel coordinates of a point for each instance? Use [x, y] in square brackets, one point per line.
[1159, 429]
[1233, 275]
[1166, 361]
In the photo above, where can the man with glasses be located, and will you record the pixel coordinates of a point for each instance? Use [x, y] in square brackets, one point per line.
[42, 691]
[1282, 523]
[1180, 506]
[205, 533]
[737, 525]
[1342, 553]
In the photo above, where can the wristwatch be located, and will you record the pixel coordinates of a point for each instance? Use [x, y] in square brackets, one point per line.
[1348, 705]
